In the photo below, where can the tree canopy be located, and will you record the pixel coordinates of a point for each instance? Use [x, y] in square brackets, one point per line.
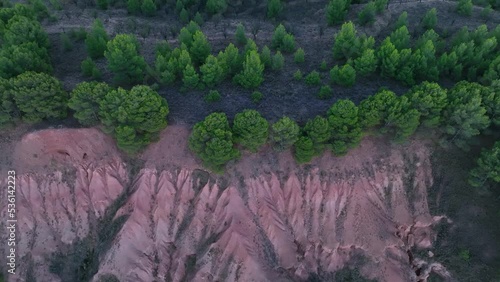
[488, 167]
[465, 115]
[134, 117]
[212, 141]
[250, 129]
[344, 125]
[39, 96]
[124, 59]
[284, 133]
[85, 100]
[96, 40]
[429, 99]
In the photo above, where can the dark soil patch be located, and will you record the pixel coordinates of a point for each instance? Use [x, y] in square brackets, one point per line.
[470, 246]
[282, 94]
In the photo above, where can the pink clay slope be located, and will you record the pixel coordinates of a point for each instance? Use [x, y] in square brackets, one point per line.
[266, 219]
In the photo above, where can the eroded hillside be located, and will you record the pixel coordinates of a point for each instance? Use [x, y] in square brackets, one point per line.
[85, 212]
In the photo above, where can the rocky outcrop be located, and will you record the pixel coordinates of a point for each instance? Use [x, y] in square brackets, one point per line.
[265, 220]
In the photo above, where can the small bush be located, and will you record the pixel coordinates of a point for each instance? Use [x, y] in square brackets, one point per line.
[216, 6]
[486, 12]
[96, 74]
[133, 7]
[79, 34]
[325, 92]
[297, 75]
[212, 96]
[299, 56]
[102, 4]
[66, 43]
[88, 67]
[256, 96]
[313, 78]
[323, 66]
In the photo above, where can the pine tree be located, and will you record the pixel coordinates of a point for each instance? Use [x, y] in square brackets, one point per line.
[96, 40]
[407, 63]
[367, 63]
[299, 55]
[490, 99]
[183, 60]
[190, 78]
[212, 141]
[284, 133]
[465, 115]
[429, 20]
[388, 57]
[367, 15]
[336, 10]
[124, 60]
[400, 38]
[184, 16]
[282, 40]
[380, 5]
[429, 99]
[318, 129]
[274, 8]
[230, 60]
[252, 74]
[200, 48]
[38, 96]
[250, 46]
[344, 125]
[304, 150]
[250, 129]
[240, 36]
[198, 18]
[212, 72]
[278, 61]
[464, 7]
[85, 99]
[402, 20]
[148, 8]
[265, 57]
[401, 119]
[166, 69]
[373, 110]
[488, 167]
[216, 6]
[345, 40]
[345, 76]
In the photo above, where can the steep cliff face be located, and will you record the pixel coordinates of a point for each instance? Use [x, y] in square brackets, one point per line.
[265, 220]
